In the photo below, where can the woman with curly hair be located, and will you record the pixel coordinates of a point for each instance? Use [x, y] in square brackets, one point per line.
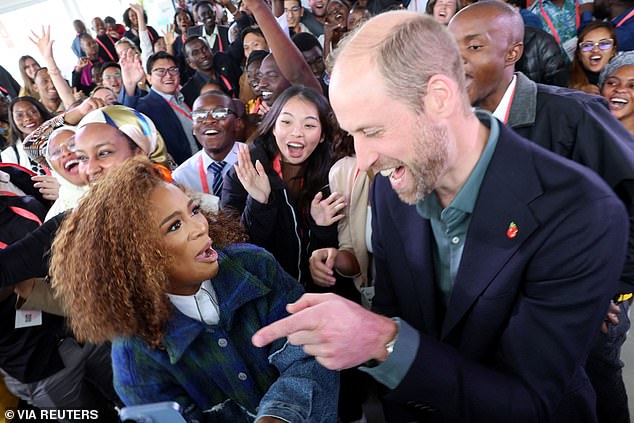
[180, 313]
[280, 186]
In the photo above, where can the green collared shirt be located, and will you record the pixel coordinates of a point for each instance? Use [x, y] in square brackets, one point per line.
[450, 226]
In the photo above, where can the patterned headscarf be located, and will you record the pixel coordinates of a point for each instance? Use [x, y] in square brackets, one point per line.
[135, 125]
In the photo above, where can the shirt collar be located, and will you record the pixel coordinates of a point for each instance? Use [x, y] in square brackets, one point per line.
[177, 97]
[207, 160]
[234, 287]
[467, 196]
[502, 110]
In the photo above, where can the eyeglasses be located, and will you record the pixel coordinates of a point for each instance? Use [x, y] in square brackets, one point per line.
[293, 9]
[56, 153]
[218, 113]
[160, 72]
[604, 44]
[115, 76]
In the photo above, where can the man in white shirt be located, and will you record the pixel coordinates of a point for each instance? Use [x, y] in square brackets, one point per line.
[215, 126]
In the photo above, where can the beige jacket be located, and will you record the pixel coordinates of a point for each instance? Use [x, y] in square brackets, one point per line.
[345, 178]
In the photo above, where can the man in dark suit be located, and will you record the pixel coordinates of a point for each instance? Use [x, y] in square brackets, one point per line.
[570, 123]
[164, 104]
[495, 259]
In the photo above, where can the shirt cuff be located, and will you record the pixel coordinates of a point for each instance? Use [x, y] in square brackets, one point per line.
[392, 371]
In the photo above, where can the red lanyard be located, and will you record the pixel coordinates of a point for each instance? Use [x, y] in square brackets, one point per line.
[150, 34]
[508, 107]
[20, 212]
[180, 110]
[227, 84]
[106, 49]
[550, 22]
[625, 18]
[4, 90]
[203, 174]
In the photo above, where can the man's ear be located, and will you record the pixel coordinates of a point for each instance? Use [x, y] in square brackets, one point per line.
[514, 53]
[441, 93]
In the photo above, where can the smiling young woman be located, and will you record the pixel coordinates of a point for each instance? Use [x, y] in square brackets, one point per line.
[180, 302]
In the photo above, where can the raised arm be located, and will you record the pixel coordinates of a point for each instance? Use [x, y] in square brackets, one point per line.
[45, 46]
[288, 57]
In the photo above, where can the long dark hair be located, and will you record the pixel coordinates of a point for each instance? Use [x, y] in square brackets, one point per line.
[578, 76]
[314, 170]
[14, 132]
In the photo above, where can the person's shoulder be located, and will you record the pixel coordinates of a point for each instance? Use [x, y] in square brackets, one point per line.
[245, 253]
[187, 166]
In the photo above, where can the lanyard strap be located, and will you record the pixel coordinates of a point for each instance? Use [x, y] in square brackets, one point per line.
[105, 48]
[150, 34]
[508, 107]
[21, 212]
[549, 22]
[227, 84]
[180, 110]
[625, 18]
[257, 105]
[203, 175]
[4, 90]
[220, 47]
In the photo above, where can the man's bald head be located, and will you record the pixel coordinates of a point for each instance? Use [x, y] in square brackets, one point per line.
[406, 49]
[494, 14]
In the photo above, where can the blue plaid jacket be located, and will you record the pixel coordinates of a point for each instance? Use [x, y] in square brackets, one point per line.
[213, 371]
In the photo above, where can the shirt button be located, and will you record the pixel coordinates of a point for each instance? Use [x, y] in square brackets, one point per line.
[222, 342]
[455, 240]
[242, 376]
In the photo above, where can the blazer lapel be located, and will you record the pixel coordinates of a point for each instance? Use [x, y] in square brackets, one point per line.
[417, 237]
[501, 222]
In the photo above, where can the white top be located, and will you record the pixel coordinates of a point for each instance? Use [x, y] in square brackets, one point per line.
[202, 306]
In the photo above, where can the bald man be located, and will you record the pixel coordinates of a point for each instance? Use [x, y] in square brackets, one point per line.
[494, 257]
[573, 124]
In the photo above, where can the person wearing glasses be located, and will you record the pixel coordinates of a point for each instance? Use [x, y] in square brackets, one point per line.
[216, 125]
[570, 123]
[597, 45]
[164, 104]
[111, 77]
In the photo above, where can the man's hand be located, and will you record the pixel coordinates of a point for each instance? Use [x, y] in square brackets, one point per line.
[612, 318]
[321, 263]
[339, 333]
[43, 42]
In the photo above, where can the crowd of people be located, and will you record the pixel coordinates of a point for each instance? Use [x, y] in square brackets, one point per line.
[274, 211]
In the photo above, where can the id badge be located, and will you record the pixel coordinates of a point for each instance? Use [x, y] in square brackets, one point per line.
[27, 318]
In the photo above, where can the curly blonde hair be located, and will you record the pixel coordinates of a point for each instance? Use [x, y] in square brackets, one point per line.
[108, 266]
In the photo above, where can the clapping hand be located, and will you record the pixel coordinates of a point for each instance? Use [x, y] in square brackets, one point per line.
[253, 178]
[326, 212]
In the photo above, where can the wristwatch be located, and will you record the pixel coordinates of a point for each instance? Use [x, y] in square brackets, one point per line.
[389, 347]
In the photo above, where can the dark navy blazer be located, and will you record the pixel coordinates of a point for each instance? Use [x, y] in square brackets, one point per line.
[512, 342]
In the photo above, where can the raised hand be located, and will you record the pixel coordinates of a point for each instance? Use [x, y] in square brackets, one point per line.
[43, 42]
[326, 212]
[169, 34]
[131, 69]
[138, 9]
[253, 178]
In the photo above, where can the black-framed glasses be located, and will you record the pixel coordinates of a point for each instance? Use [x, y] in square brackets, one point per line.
[219, 113]
[605, 44]
[293, 9]
[160, 72]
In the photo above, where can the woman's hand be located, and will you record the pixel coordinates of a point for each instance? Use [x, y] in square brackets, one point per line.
[321, 264]
[47, 185]
[328, 211]
[253, 178]
[82, 63]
